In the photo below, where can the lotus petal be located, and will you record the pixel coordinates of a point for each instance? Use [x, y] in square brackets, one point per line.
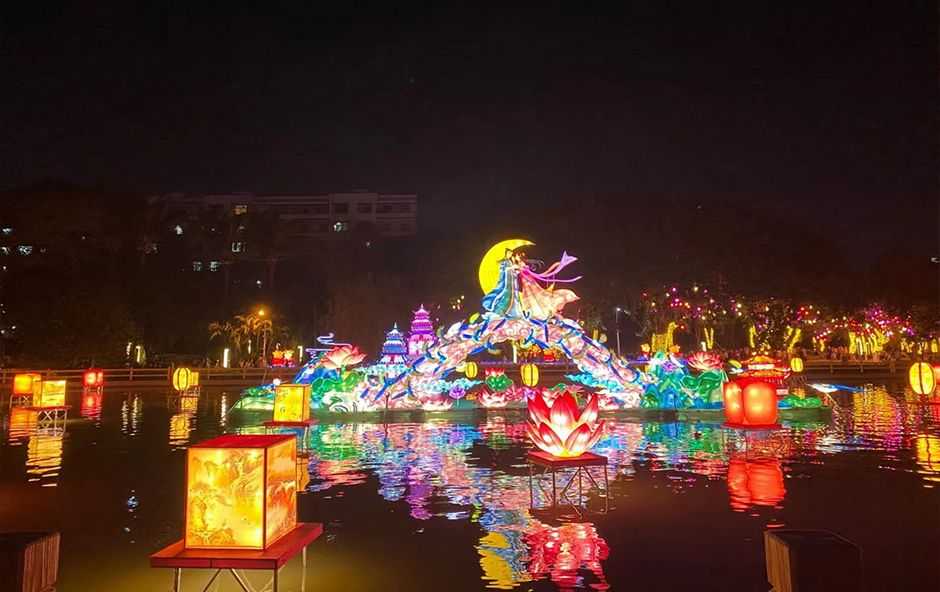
[589, 413]
[564, 413]
[538, 410]
[551, 443]
[577, 441]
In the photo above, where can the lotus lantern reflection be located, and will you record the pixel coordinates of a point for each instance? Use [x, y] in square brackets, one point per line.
[562, 430]
[340, 357]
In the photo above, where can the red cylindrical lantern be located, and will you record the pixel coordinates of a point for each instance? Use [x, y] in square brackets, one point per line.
[94, 377]
[734, 404]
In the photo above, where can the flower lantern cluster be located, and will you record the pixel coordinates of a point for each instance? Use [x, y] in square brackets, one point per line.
[562, 430]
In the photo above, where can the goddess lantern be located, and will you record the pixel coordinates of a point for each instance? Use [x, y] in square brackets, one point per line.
[28, 384]
[241, 491]
[755, 405]
[52, 394]
[561, 430]
[93, 378]
[292, 402]
[922, 379]
[530, 374]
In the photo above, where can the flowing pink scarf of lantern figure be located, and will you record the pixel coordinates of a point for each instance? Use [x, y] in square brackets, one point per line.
[544, 303]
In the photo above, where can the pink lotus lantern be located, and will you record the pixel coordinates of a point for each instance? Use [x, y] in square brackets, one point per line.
[340, 357]
[702, 360]
[493, 400]
[561, 430]
[437, 403]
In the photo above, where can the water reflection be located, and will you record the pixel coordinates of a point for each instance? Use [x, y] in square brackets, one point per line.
[92, 401]
[131, 415]
[44, 438]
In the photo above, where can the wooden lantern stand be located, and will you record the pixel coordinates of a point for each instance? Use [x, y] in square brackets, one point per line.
[52, 416]
[236, 562]
[542, 465]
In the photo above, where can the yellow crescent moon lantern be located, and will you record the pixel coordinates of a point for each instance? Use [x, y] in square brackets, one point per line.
[489, 266]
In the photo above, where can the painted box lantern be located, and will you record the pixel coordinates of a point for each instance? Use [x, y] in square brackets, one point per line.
[292, 402]
[241, 491]
[52, 394]
[28, 384]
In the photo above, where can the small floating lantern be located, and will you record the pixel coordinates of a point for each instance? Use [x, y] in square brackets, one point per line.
[292, 402]
[241, 491]
[93, 378]
[755, 405]
[530, 374]
[27, 384]
[922, 379]
[52, 394]
[561, 430]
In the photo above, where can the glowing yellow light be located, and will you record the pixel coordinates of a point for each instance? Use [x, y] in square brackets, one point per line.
[29, 384]
[796, 364]
[470, 369]
[52, 394]
[241, 492]
[922, 378]
[530, 374]
[489, 266]
[292, 402]
[185, 379]
[225, 357]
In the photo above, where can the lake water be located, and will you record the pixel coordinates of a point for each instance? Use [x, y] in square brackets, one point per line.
[445, 504]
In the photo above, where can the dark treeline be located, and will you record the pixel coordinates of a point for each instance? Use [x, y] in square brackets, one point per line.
[88, 271]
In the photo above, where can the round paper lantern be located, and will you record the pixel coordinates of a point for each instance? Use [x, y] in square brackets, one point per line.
[760, 404]
[182, 379]
[734, 404]
[94, 377]
[922, 379]
[530, 374]
[470, 369]
[796, 365]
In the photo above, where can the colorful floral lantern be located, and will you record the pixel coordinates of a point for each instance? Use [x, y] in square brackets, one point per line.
[292, 402]
[470, 369]
[28, 384]
[342, 356]
[530, 374]
[921, 378]
[52, 394]
[561, 430]
[93, 378]
[755, 405]
[183, 379]
[494, 399]
[796, 365]
[241, 491]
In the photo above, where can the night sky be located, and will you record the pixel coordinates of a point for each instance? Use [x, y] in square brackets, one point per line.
[826, 113]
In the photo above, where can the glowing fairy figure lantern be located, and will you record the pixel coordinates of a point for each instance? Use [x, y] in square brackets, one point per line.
[394, 350]
[753, 406]
[421, 336]
[292, 402]
[561, 430]
[28, 384]
[530, 374]
[241, 491]
[52, 394]
[93, 378]
[921, 378]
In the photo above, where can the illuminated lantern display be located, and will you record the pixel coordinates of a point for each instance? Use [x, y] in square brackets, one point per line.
[421, 336]
[470, 369]
[530, 374]
[241, 491]
[394, 349]
[755, 405]
[494, 399]
[93, 378]
[922, 379]
[561, 430]
[292, 402]
[185, 379]
[28, 384]
[796, 365]
[755, 483]
[52, 394]
[564, 552]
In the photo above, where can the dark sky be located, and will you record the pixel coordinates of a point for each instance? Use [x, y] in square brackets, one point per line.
[828, 112]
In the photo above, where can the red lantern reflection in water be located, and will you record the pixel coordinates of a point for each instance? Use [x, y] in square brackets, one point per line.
[755, 483]
[562, 552]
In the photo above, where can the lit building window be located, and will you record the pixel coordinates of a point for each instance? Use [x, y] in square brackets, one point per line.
[238, 246]
[341, 227]
[6, 231]
[258, 283]
[240, 209]
[25, 249]
[215, 265]
[197, 265]
[178, 230]
[4, 250]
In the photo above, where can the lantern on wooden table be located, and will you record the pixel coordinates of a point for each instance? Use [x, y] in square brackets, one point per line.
[292, 403]
[241, 491]
[27, 384]
[530, 374]
[561, 430]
